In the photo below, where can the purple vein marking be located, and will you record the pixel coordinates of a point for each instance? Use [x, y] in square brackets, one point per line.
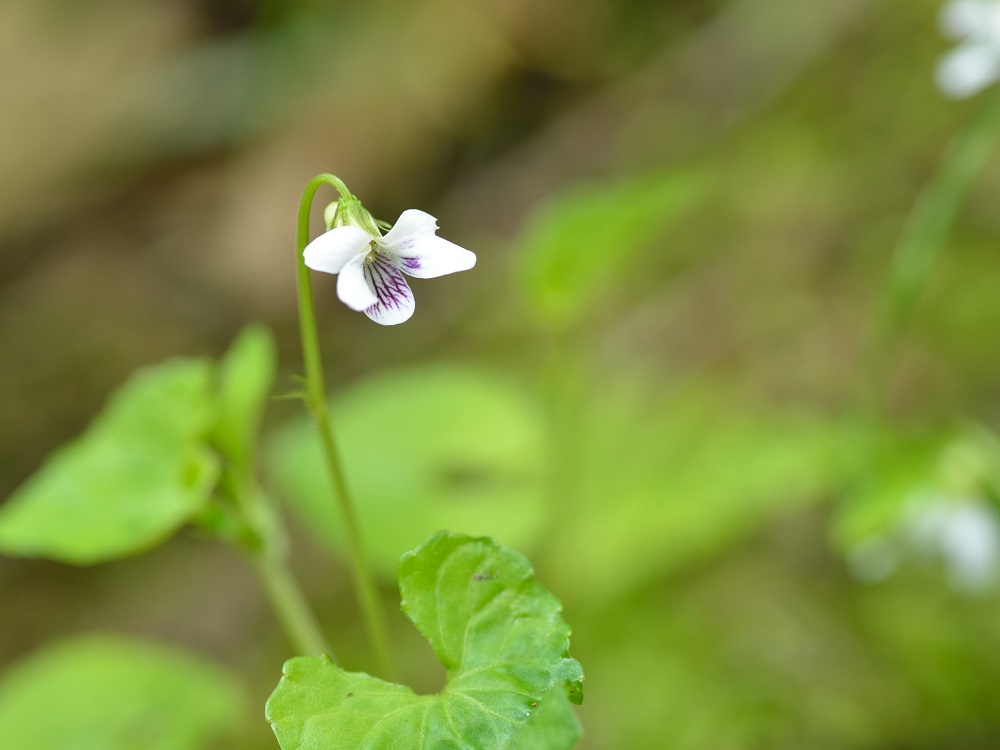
[389, 285]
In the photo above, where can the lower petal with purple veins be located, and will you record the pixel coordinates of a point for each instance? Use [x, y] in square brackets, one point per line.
[395, 300]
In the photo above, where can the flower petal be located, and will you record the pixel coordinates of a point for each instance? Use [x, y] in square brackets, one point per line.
[394, 299]
[427, 256]
[353, 286]
[410, 223]
[962, 18]
[330, 251]
[968, 69]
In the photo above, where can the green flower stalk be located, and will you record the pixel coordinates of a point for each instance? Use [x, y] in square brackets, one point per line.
[370, 268]
[315, 397]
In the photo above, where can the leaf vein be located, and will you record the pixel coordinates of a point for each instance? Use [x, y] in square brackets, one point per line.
[381, 720]
[489, 711]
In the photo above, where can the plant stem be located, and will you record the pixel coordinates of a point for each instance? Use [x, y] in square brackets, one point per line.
[286, 597]
[315, 396]
[268, 550]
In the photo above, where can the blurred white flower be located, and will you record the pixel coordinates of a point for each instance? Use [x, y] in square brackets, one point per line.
[371, 266]
[963, 533]
[975, 62]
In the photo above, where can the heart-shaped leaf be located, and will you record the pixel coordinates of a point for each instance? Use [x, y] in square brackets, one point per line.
[659, 457]
[553, 726]
[578, 246]
[138, 473]
[497, 631]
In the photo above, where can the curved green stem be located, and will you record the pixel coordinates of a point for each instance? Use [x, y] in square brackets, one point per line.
[315, 395]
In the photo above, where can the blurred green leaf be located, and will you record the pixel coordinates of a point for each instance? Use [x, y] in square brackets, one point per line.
[946, 462]
[665, 482]
[904, 468]
[425, 449]
[245, 378]
[817, 662]
[494, 628]
[585, 241]
[932, 216]
[136, 475]
[107, 693]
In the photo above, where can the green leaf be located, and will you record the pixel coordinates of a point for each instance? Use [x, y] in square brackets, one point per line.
[553, 725]
[135, 476]
[903, 468]
[480, 469]
[498, 633]
[666, 482]
[245, 378]
[107, 693]
[577, 246]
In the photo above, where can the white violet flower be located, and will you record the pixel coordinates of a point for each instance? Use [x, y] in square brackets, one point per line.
[975, 63]
[371, 266]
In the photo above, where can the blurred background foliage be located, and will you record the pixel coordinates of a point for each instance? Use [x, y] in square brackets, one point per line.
[654, 384]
